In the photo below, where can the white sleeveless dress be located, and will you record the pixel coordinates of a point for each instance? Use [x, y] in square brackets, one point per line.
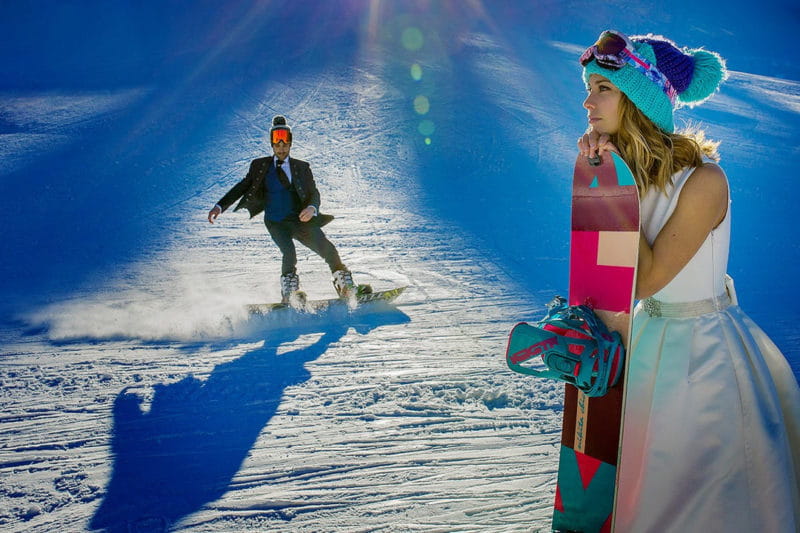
[711, 433]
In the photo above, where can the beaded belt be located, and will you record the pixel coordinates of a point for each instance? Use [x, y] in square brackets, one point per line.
[656, 308]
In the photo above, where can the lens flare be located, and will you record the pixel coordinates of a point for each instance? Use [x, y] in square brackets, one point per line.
[426, 127]
[421, 105]
[412, 39]
[416, 72]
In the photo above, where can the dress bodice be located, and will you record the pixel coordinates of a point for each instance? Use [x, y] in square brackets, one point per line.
[704, 276]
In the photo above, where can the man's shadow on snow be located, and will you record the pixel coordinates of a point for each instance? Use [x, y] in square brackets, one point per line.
[183, 452]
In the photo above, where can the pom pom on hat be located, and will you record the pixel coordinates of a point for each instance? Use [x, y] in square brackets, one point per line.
[695, 74]
[709, 73]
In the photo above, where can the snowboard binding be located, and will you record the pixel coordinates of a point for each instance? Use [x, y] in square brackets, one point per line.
[570, 344]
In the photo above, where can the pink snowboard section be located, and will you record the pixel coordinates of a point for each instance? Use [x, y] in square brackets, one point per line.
[614, 293]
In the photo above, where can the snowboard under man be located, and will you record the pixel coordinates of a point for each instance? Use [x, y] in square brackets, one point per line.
[284, 189]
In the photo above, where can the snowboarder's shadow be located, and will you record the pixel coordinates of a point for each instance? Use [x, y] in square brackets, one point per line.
[184, 451]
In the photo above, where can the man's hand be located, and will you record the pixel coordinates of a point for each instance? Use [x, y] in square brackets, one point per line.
[214, 213]
[307, 213]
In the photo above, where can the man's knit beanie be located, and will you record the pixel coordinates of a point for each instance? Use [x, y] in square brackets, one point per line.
[279, 123]
[695, 74]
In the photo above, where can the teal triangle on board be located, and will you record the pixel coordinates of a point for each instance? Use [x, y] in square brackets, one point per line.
[624, 175]
[594, 183]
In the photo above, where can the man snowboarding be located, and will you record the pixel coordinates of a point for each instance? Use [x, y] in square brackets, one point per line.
[284, 189]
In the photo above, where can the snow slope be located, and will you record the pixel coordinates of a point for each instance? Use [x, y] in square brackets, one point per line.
[137, 395]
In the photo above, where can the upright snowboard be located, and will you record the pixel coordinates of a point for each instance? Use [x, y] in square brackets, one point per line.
[318, 305]
[604, 249]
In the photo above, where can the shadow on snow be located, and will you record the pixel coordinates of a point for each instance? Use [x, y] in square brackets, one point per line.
[184, 451]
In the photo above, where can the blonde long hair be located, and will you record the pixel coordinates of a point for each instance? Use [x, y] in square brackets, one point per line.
[654, 155]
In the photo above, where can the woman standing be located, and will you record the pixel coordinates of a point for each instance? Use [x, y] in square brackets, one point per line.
[711, 432]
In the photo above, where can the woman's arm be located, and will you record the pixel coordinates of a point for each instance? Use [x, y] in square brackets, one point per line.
[702, 205]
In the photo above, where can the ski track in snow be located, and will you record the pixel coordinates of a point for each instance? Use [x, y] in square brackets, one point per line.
[392, 418]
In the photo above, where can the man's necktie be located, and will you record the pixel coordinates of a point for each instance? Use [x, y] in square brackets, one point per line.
[282, 177]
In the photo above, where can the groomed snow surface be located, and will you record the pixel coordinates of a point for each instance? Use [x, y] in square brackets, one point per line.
[388, 418]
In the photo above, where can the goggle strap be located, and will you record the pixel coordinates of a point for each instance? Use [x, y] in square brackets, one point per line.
[653, 74]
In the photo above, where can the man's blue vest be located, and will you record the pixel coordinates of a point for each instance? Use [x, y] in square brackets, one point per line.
[282, 204]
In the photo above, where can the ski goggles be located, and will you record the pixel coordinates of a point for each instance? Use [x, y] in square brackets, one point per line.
[613, 50]
[281, 134]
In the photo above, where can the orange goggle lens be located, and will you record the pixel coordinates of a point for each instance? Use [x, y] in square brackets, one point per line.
[281, 135]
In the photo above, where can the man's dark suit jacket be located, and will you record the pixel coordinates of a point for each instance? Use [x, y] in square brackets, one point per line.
[253, 190]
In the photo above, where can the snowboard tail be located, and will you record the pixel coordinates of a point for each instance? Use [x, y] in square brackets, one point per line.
[582, 502]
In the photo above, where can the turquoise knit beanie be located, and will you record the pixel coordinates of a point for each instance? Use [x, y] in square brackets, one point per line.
[695, 74]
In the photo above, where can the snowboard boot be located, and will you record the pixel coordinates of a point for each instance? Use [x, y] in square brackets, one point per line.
[290, 290]
[345, 288]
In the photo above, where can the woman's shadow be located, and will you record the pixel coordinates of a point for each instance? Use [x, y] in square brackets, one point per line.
[184, 451]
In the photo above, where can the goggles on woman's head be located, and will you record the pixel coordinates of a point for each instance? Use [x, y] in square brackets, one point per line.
[280, 134]
[613, 50]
